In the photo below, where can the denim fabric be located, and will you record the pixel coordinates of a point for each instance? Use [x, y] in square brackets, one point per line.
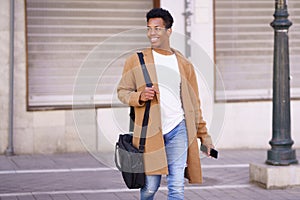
[176, 149]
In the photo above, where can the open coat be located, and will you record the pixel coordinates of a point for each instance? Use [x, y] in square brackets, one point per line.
[129, 89]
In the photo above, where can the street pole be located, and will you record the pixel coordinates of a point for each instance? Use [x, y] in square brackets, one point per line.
[187, 27]
[281, 152]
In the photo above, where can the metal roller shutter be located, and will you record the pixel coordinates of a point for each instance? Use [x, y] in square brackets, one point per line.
[244, 48]
[62, 33]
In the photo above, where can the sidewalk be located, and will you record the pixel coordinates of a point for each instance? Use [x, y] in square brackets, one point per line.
[83, 177]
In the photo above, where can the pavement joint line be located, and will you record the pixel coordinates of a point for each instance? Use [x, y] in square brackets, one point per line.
[119, 190]
[37, 171]
[225, 166]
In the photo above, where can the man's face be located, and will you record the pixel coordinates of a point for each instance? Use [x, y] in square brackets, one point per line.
[158, 34]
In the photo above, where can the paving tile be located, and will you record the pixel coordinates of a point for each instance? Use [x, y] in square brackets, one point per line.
[6, 163]
[190, 195]
[75, 197]
[128, 195]
[42, 197]
[27, 197]
[9, 198]
[108, 196]
[59, 197]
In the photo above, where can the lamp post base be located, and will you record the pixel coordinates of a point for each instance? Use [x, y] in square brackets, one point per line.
[281, 157]
[274, 177]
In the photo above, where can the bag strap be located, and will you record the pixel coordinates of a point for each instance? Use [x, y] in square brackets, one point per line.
[145, 71]
[147, 109]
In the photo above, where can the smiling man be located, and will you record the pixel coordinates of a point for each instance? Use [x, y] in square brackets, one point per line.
[175, 120]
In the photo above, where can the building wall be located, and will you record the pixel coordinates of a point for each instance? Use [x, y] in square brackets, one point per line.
[241, 125]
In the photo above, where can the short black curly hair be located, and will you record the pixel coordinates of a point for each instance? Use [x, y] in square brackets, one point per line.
[161, 13]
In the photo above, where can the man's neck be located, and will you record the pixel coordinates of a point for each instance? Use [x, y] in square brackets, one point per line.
[163, 51]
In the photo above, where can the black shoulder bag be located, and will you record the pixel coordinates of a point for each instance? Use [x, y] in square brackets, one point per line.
[128, 159]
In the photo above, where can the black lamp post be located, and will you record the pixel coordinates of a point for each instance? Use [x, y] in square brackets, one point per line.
[281, 152]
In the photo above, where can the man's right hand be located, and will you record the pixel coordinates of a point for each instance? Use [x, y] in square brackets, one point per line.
[148, 93]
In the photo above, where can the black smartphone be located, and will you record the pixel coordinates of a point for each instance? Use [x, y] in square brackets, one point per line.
[213, 152]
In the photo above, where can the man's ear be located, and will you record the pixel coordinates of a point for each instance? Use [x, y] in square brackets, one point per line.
[169, 31]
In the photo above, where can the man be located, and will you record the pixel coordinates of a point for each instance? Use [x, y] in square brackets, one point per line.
[175, 120]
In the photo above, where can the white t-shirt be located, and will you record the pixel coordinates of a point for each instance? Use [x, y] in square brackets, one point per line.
[169, 88]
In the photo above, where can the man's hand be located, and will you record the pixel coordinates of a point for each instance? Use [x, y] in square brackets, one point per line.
[209, 148]
[206, 149]
[148, 93]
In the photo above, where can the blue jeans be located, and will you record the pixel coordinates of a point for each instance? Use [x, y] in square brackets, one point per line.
[176, 145]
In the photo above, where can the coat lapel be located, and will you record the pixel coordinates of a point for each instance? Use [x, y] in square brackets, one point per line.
[149, 60]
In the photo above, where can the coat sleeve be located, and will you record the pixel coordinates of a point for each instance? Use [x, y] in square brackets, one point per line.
[127, 87]
[202, 132]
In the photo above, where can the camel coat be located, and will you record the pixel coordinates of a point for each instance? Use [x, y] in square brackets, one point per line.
[129, 89]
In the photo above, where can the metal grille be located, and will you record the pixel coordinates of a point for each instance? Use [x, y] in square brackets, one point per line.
[61, 35]
[244, 48]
